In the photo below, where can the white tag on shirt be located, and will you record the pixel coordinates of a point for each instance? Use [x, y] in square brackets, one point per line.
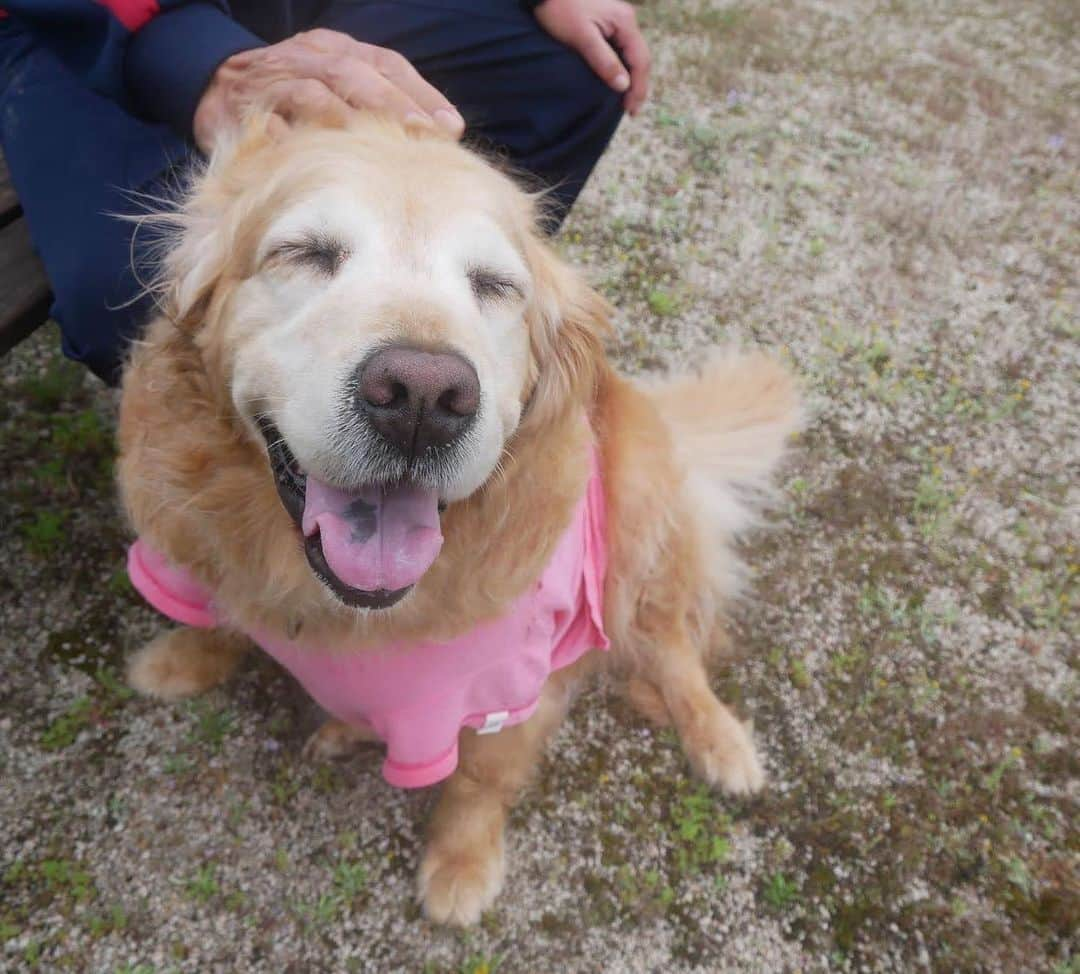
[493, 722]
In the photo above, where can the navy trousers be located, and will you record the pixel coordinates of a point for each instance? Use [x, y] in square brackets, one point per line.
[76, 157]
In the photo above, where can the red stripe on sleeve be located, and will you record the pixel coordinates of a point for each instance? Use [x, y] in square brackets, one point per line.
[133, 14]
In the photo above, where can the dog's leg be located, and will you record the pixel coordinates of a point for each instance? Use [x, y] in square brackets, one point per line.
[720, 748]
[336, 739]
[645, 697]
[463, 865]
[184, 662]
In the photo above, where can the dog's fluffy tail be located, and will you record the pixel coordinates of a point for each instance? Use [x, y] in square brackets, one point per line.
[730, 420]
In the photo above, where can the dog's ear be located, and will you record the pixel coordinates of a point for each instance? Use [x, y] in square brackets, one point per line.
[568, 322]
[201, 236]
[193, 268]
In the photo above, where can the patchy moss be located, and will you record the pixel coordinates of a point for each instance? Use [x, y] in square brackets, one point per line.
[45, 534]
[64, 730]
[48, 390]
[91, 644]
[58, 883]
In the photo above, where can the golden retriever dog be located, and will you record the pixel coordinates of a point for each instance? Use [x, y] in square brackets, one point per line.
[298, 260]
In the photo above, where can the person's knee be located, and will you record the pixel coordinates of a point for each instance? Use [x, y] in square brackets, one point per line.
[574, 125]
[597, 93]
[98, 310]
[580, 110]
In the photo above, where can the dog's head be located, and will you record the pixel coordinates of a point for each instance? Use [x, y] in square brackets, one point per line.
[378, 308]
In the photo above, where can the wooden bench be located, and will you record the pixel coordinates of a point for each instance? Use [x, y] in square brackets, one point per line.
[24, 289]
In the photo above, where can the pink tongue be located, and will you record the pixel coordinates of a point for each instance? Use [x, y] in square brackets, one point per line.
[378, 538]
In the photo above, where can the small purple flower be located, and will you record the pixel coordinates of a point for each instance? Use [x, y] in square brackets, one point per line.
[736, 98]
[271, 744]
[1056, 142]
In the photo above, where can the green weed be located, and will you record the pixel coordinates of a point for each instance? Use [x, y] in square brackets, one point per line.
[662, 302]
[699, 831]
[65, 878]
[480, 964]
[350, 880]
[203, 885]
[211, 726]
[780, 892]
[115, 921]
[108, 696]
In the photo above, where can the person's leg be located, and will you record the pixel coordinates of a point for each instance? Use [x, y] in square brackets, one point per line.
[75, 158]
[533, 100]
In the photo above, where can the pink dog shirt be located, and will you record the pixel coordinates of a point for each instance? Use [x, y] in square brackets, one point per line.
[418, 695]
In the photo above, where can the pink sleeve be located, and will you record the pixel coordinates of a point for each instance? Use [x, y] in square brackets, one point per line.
[170, 590]
[596, 554]
[402, 775]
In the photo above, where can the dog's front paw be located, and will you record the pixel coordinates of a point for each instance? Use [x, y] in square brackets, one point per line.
[721, 751]
[185, 662]
[456, 886]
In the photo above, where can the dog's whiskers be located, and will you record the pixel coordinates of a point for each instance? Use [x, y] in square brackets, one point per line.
[263, 397]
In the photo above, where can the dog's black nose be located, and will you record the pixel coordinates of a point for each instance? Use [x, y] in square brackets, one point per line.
[417, 399]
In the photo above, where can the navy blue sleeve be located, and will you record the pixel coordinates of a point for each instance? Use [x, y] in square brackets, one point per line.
[153, 57]
[169, 61]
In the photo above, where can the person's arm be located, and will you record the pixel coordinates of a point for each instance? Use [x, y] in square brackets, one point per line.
[171, 58]
[154, 57]
[321, 74]
[189, 64]
[606, 34]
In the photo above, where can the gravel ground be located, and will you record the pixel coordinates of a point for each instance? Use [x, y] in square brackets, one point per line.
[886, 191]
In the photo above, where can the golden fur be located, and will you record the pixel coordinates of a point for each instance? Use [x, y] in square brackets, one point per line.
[680, 460]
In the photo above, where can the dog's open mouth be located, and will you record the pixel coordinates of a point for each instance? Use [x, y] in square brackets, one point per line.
[369, 546]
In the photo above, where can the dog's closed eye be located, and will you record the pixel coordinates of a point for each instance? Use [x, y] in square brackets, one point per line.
[318, 252]
[491, 285]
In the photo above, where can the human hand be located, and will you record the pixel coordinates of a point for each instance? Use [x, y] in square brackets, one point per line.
[320, 74]
[600, 31]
